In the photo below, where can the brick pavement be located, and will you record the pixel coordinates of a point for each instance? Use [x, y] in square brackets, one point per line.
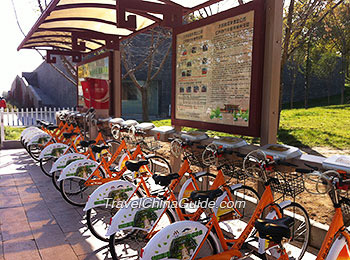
[35, 221]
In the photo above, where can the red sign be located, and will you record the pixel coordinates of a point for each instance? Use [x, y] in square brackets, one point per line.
[96, 93]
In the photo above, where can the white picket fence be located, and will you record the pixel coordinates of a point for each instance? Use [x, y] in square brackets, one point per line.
[26, 117]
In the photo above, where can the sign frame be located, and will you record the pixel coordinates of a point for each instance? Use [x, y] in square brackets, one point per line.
[255, 105]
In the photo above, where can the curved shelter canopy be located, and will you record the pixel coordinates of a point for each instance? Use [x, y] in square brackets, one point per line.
[87, 25]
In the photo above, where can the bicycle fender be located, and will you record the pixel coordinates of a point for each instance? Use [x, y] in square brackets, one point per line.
[53, 151]
[29, 129]
[123, 159]
[176, 241]
[223, 206]
[139, 214]
[271, 215]
[186, 190]
[339, 250]
[110, 194]
[81, 169]
[27, 136]
[40, 138]
[66, 159]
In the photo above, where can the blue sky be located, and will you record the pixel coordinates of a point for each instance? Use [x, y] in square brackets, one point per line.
[13, 62]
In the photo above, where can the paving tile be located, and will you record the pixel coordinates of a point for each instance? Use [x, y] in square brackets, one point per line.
[40, 218]
[52, 243]
[7, 180]
[59, 207]
[84, 243]
[11, 215]
[8, 190]
[16, 230]
[1, 251]
[10, 201]
[69, 221]
[21, 250]
[52, 196]
[22, 179]
[103, 254]
[45, 188]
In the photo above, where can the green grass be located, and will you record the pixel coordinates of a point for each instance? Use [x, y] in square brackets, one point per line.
[13, 133]
[327, 126]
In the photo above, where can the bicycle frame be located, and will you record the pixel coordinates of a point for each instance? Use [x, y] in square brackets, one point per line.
[265, 201]
[170, 198]
[193, 216]
[95, 178]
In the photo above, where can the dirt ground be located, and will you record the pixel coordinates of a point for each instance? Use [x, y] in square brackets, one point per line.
[319, 207]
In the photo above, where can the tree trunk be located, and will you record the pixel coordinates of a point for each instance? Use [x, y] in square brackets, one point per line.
[294, 75]
[307, 75]
[144, 96]
[328, 92]
[343, 63]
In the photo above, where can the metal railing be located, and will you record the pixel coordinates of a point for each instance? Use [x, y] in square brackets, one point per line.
[26, 117]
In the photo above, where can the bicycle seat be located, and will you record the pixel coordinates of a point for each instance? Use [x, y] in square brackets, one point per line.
[116, 120]
[274, 229]
[87, 143]
[103, 120]
[52, 127]
[165, 180]
[208, 195]
[134, 166]
[45, 124]
[69, 135]
[99, 148]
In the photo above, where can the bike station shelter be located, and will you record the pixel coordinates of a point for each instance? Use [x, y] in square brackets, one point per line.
[238, 50]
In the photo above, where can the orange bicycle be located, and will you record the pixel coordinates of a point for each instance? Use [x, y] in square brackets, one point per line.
[202, 240]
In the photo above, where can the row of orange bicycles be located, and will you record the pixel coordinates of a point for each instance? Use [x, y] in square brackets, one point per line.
[209, 209]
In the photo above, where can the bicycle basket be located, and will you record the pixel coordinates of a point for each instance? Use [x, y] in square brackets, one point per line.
[194, 158]
[231, 170]
[345, 205]
[289, 184]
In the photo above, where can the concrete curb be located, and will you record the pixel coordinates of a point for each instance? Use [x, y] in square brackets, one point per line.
[11, 144]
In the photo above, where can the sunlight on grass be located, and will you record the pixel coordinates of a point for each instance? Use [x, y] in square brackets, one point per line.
[327, 126]
[13, 133]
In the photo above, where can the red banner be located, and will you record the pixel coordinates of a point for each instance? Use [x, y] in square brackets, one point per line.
[96, 93]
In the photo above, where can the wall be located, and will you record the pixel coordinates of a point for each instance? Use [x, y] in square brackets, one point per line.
[317, 89]
[24, 95]
[52, 84]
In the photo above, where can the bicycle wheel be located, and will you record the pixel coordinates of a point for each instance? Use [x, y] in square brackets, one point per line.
[46, 165]
[34, 152]
[130, 247]
[300, 231]
[98, 220]
[75, 192]
[159, 165]
[54, 177]
[234, 218]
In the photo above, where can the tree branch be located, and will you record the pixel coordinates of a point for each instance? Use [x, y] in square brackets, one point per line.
[162, 63]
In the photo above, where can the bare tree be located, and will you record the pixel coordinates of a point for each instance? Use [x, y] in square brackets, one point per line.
[143, 57]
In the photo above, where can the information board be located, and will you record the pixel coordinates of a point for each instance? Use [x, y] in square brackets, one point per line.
[216, 75]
